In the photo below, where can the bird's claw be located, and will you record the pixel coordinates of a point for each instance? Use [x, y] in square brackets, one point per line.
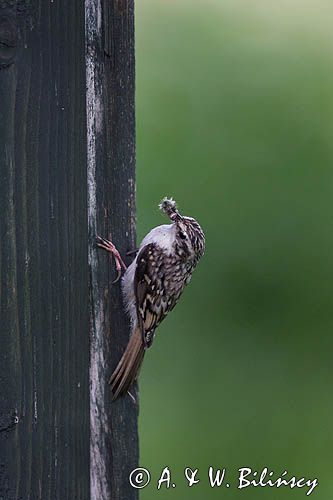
[109, 247]
[132, 397]
[118, 276]
[132, 252]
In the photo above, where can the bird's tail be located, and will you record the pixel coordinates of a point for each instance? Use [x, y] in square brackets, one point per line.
[128, 367]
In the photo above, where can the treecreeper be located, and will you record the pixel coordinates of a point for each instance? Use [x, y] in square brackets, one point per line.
[153, 283]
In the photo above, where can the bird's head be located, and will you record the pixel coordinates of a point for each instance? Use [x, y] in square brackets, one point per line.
[190, 239]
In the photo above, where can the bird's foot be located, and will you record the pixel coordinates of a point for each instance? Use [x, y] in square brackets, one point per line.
[109, 247]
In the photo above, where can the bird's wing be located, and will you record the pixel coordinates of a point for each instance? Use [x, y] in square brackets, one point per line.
[150, 296]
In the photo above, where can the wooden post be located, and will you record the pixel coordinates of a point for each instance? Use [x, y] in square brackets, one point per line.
[67, 167]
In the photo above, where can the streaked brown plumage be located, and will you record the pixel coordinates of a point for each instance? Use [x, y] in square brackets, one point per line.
[153, 284]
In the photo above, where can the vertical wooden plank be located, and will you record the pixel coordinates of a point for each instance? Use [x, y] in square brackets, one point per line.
[111, 213]
[120, 70]
[44, 338]
[66, 115]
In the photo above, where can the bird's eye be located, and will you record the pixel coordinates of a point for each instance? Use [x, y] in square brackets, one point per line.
[182, 235]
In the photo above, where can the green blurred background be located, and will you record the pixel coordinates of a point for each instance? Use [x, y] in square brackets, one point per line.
[235, 121]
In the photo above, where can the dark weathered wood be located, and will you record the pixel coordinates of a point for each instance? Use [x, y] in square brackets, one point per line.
[44, 306]
[111, 209]
[121, 152]
[61, 437]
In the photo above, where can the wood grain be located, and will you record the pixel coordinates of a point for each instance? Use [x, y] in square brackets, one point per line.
[49, 285]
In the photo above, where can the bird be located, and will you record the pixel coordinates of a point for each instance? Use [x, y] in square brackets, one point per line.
[153, 283]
